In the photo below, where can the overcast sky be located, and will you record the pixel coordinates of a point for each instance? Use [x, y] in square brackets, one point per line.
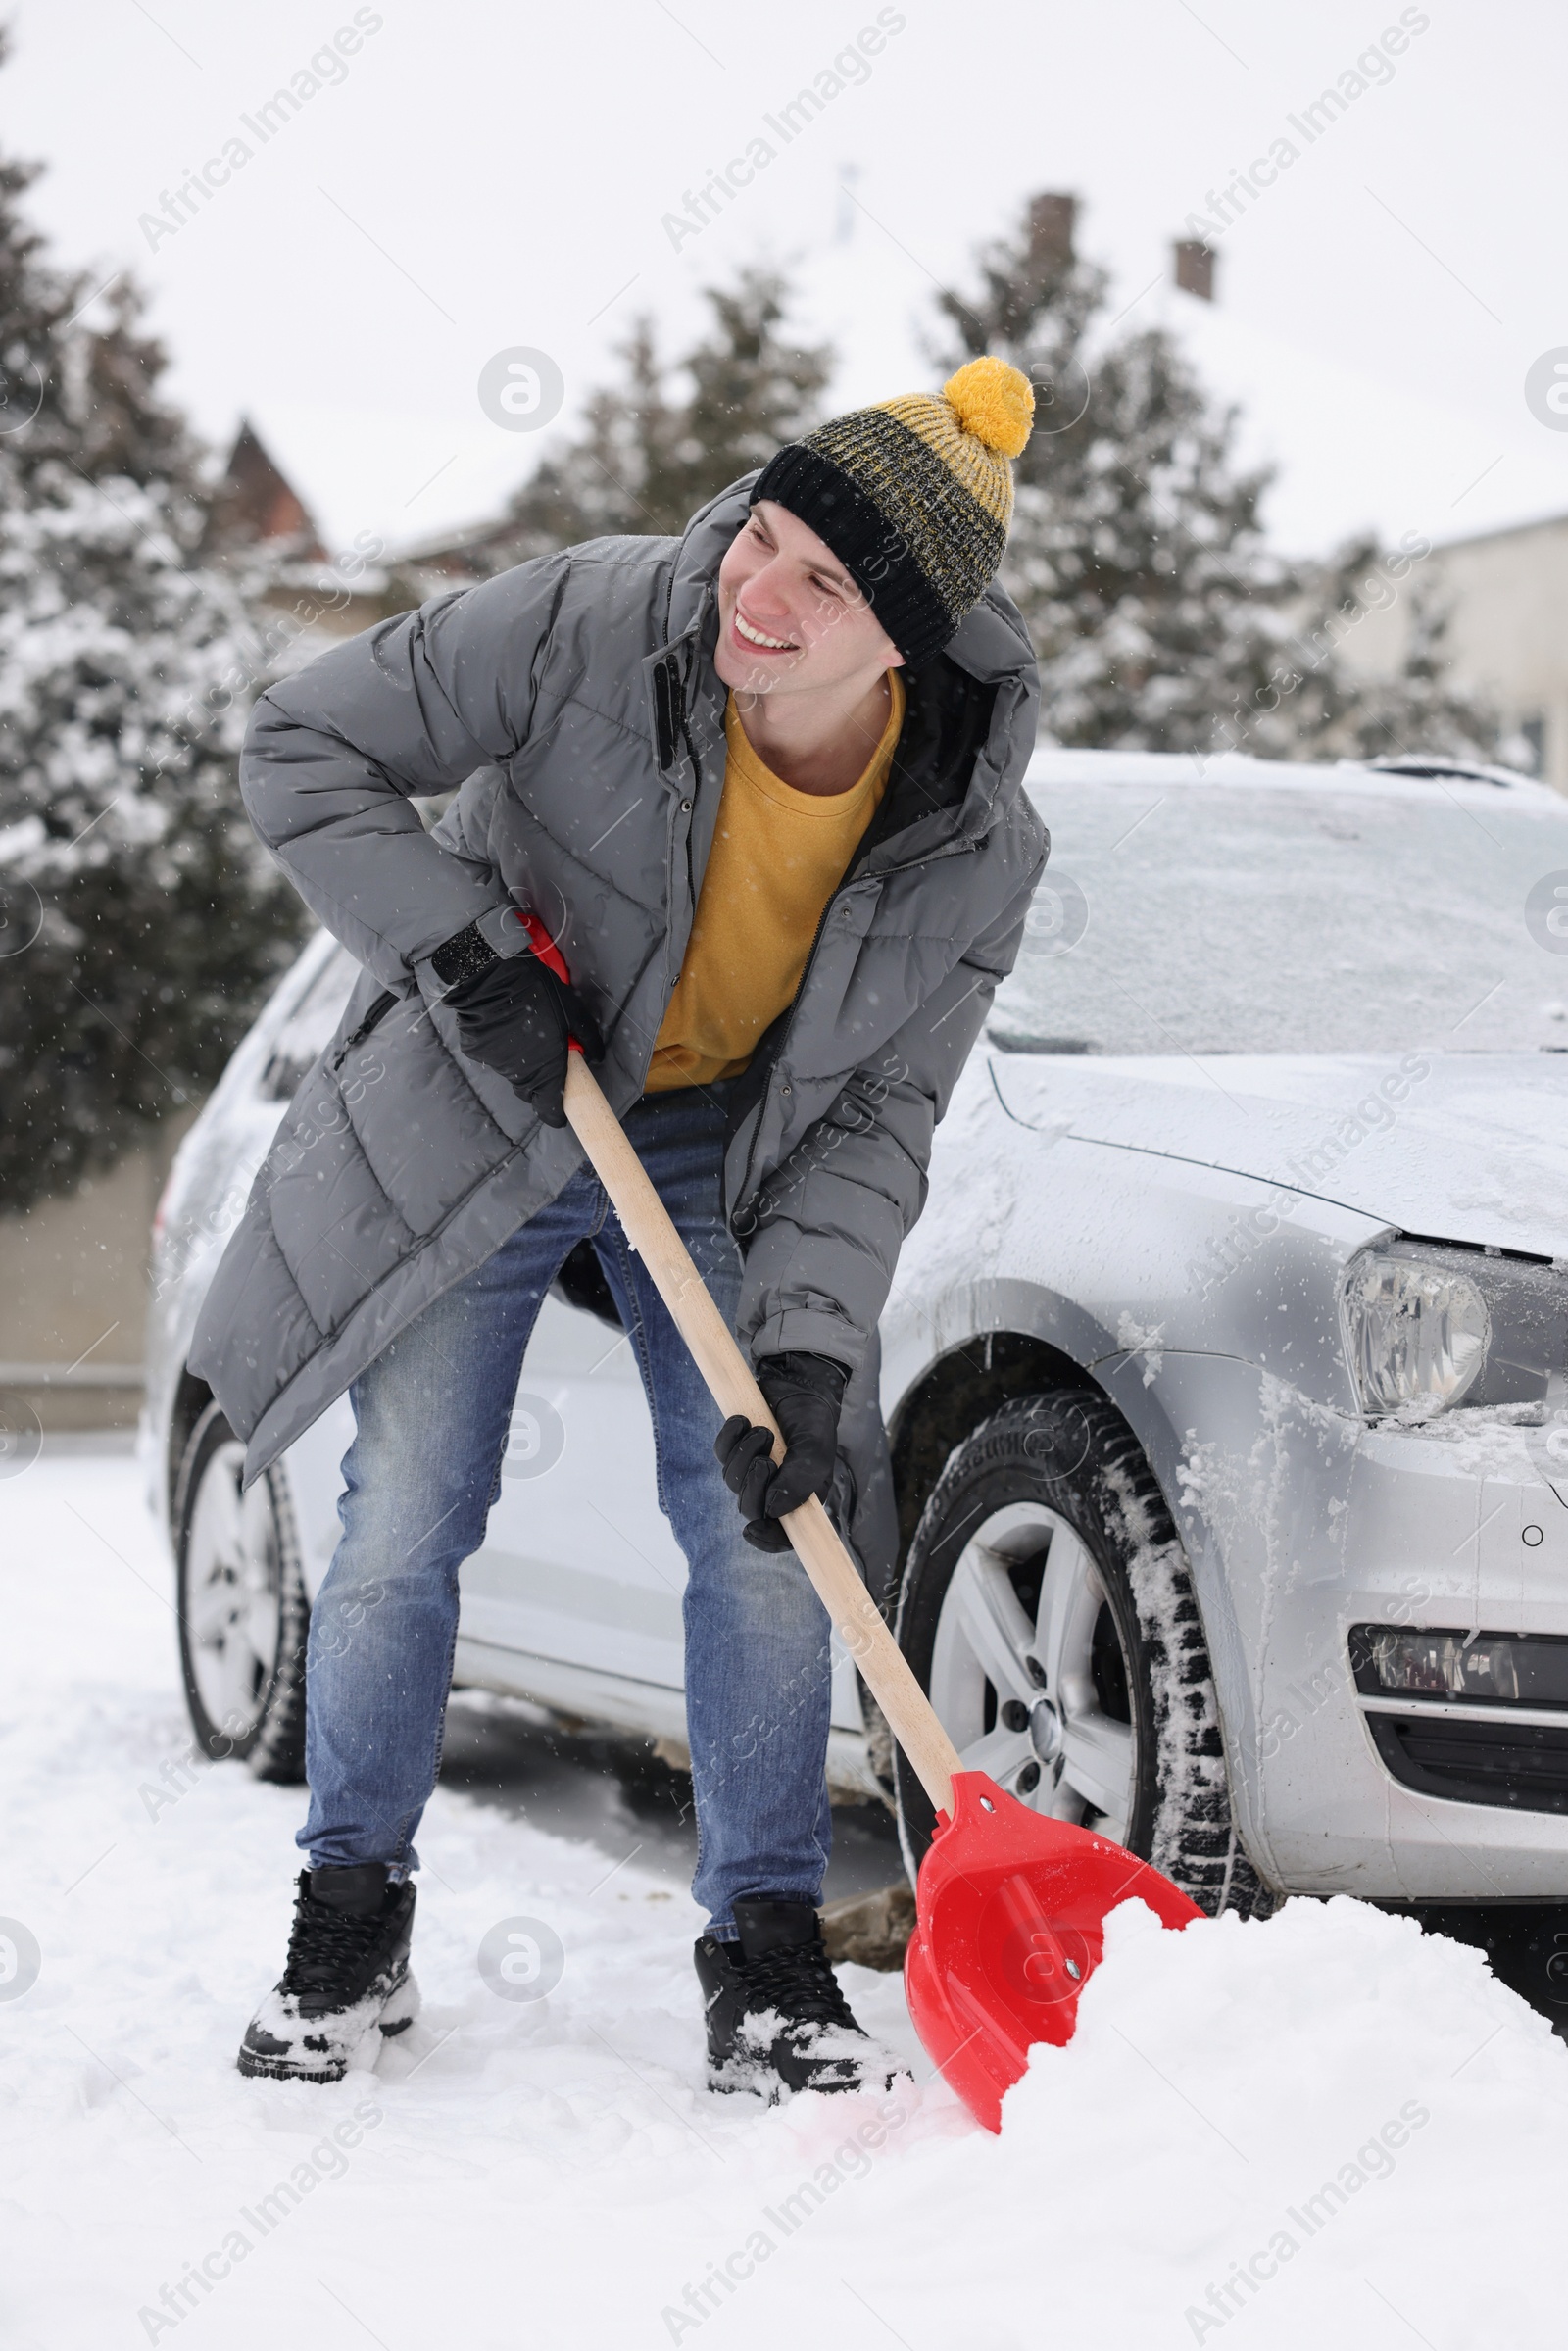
[475, 177]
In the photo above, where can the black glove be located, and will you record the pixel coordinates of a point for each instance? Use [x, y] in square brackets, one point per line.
[804, 1393]
[514, 1016]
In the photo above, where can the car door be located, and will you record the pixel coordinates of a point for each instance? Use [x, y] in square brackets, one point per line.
[579, 1565]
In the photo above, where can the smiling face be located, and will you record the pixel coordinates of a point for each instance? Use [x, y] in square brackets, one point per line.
[791, 619]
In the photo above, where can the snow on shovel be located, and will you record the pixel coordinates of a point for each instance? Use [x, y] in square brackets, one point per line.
[1010, 1905]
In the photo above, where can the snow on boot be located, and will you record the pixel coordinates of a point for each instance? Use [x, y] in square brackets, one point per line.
[777, 2021]
[347, 1975]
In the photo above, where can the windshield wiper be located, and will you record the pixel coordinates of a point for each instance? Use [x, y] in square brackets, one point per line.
[1007, 1043]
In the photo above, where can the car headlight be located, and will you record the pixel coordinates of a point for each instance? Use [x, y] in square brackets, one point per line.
[1428, 1322]
[1415, 1333]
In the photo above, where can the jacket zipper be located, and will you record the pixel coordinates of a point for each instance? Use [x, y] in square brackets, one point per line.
[377, 1012]
[675, 704]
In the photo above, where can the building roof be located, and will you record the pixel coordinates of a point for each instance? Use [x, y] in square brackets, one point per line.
[256, 504]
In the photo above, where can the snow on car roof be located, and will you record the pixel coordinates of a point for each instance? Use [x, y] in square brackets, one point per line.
[1416, 777]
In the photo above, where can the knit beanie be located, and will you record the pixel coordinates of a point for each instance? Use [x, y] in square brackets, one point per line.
[914, 496]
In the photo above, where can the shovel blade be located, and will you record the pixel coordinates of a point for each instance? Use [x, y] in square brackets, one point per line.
[1011, 1925]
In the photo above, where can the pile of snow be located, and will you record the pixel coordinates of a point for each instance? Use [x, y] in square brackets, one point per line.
[1263, 2132]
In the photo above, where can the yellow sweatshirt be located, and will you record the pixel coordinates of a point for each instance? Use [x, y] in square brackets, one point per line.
[777, 856]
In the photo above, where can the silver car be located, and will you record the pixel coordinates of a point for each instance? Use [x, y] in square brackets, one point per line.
[1225, 1372]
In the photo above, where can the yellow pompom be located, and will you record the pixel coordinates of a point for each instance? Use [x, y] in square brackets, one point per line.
[994, 402]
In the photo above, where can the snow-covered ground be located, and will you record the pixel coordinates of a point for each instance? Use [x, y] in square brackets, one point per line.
[1322, 2127]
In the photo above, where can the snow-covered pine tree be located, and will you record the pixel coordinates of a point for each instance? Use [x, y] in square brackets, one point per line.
[139, 921]
[652, 449]
[1161, 619]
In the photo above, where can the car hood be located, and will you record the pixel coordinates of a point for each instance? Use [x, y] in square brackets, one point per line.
[1457, 1147]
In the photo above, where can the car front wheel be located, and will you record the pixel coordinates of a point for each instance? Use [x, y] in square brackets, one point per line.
[1047, 1609]
[243, 1611]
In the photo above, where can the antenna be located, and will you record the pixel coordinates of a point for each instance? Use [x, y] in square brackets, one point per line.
[843, 226]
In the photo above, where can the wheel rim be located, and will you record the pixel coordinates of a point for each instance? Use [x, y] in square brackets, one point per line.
[232, 1586]
[1048, 1725]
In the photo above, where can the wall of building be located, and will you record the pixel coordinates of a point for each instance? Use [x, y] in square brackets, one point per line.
[1506, 597]
[74, 1292]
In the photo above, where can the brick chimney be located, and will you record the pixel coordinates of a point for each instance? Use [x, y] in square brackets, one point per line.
[1194, 267]
[1052, 221]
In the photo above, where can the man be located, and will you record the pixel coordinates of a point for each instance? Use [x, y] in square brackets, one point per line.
[761, 785]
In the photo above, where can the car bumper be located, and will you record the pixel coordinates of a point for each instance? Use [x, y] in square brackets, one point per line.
[1309, 1524]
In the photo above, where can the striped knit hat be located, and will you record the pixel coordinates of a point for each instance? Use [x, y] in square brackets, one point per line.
[914, 496]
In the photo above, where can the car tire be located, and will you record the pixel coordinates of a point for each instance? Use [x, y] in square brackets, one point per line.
[242, 1606]
[1047, 1609]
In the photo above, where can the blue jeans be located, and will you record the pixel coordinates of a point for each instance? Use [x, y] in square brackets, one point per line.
[431, 1418]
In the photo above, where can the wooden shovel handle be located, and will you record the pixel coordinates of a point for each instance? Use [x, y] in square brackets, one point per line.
[855, 1617]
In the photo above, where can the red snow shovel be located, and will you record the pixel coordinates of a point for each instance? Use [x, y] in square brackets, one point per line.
[1012, 1906]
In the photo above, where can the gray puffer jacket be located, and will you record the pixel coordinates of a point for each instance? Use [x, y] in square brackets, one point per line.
[575, 702]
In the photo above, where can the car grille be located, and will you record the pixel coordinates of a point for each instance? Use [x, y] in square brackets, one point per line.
[1520, 1767]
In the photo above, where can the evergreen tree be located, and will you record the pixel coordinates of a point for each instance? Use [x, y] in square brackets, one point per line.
[139, 921]
[1161, 619]
[83, 403]
[652, 449]
[1136, 556]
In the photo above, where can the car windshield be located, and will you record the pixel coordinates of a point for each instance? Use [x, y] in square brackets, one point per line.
[1301, 914]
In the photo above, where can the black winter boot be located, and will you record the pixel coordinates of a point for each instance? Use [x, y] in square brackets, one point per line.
[347, 1975]
[777, 2021]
